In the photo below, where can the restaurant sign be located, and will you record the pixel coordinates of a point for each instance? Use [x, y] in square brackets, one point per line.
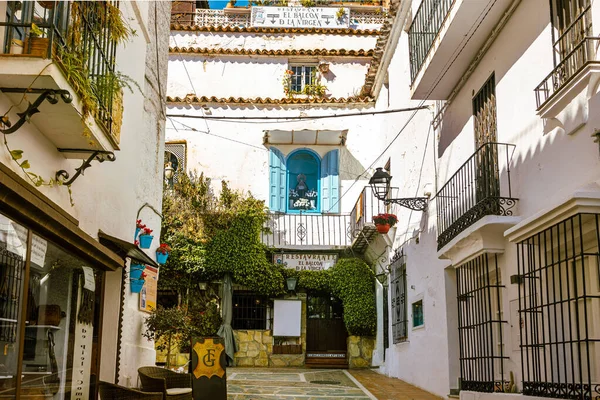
[305, 262]
[300, 17]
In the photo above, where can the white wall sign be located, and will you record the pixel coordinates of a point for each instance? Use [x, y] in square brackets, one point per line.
[287, 317]
[300, 17]
[306, 262]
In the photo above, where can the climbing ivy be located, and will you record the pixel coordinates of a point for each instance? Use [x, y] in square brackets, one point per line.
[352, 281]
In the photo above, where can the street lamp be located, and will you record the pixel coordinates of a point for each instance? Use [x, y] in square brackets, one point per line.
[291, 283]
[382, 278]
[380, 184]
[169, 171]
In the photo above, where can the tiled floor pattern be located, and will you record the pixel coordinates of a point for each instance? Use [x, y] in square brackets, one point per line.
[292, 384]
[384, 388]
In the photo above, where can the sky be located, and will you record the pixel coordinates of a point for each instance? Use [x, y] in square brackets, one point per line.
[220, 4]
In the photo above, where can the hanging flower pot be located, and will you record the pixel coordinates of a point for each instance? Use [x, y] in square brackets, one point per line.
[383, 222]
[138, 228]
[162, 253]
[136, 277]
[383, 228]
[146, 238]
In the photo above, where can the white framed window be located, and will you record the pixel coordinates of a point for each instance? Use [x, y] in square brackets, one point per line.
[302, 75]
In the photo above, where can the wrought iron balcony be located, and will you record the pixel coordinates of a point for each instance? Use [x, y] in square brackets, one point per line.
[327, 231]
[424, 29]
[477, 189]
[83, 41]
[361, 218]
[576, 50]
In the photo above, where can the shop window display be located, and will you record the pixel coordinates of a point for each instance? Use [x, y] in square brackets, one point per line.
[58, 297]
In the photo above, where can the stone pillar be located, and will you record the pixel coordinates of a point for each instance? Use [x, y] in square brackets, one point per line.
[360, 351]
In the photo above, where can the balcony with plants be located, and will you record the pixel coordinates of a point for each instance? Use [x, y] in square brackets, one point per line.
[58, 70]
[477, 202]
[438, 28]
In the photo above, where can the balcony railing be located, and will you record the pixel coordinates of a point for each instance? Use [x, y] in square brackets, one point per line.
[303, 229]
[477, 189]
[582, 55]
[86, 38]
[208, 17]
[422, 33]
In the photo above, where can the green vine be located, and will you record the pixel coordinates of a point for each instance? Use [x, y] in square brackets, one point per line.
[314, 89]
[352, 281]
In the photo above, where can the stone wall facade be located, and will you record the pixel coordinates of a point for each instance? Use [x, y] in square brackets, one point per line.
[360, 351]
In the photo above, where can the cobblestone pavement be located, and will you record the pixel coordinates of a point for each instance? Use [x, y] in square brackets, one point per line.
[315, 384]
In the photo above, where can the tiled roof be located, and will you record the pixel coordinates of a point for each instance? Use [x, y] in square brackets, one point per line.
[257, 52]
[336, 31]
[380, 46]
[191, 99]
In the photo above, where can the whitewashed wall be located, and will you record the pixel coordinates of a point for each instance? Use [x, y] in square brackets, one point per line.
[109, 195]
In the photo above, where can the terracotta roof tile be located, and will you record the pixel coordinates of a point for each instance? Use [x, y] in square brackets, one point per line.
[257, 52]
[336, 31]
[191, 99]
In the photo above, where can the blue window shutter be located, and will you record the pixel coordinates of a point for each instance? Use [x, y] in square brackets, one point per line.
[330, 182]
[276, 180]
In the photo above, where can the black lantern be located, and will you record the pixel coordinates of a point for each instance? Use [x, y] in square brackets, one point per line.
[291, 283]
[380, 184]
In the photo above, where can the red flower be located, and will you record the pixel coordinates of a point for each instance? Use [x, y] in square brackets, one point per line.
[146, 231]
[138, 224]
[137, 242]
[163, 248]
[382, 219]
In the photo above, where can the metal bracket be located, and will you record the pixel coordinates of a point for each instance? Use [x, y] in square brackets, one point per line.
[45, 94]
[413, 203]
[517, 279]
[98, 155]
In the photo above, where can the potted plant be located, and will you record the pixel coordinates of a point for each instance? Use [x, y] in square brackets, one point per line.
[146, 238]
[136, 277]
[35, 44]
[162, 253]
[138, 227]
[383, 222]
[165, 326]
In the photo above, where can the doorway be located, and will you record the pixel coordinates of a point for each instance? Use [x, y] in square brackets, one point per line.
[325, 330]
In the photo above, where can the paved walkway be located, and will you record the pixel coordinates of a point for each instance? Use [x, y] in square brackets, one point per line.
[317, 384]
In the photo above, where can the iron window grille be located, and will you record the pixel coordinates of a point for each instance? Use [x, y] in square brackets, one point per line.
[175, 153]
[302, 75]
[11, 282]
[249, 311]
[399, 304]
[481, 325]
[559, 307]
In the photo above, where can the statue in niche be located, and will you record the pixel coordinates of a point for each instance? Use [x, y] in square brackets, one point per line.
[301, 187]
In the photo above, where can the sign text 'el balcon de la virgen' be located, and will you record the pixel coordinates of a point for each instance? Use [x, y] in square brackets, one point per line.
[300, 17]
[305, 262]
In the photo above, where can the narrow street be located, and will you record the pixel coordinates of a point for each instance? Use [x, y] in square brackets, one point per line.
[316, 384]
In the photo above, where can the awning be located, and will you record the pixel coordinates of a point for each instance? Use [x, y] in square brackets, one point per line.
[125, 249]
[306, 137]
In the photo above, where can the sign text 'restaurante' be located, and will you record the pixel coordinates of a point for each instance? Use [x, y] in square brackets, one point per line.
[300, 17]
[306, 262]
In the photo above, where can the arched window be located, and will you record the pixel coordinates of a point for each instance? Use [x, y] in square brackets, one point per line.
[303, 173]
[303, 181]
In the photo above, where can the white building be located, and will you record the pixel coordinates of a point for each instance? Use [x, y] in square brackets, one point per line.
[497, 290]
[68, 317]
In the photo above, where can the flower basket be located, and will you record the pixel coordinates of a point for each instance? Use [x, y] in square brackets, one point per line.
[383, 222]
[136, 279]
[145, 241]
[161, 258]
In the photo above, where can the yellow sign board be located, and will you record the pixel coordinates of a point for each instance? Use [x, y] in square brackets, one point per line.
[209, 359]
[149, 290]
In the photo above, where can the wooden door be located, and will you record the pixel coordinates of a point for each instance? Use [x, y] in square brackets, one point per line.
[325, 330]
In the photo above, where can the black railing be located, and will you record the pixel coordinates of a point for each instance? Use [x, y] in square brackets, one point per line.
[477, 189]
[304, 229]
[49, 29]
[399, 300]
[481, 326]
[581, 55]
[422, 33]
[366, 207]
[559, 305]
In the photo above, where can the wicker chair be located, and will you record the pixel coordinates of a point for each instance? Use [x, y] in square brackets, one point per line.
[108, 391]
[174, 386]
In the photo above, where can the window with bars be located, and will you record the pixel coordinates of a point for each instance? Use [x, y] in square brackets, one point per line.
[175, 157]
[559, 307]
[481, 325]
[302, 75]
[399, 304]
[249, 310]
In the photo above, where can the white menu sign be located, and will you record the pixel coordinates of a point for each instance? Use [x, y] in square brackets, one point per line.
[300, 17]
[305, 262]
